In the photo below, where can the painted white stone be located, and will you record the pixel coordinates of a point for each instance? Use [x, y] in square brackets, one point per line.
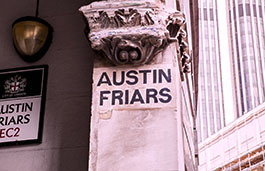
[120, 88]
[138, 138]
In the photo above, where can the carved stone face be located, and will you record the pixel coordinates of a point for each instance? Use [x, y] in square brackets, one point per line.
[132, 49]
[127, 51]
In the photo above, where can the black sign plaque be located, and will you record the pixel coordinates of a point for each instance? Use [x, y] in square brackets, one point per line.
[22, 102]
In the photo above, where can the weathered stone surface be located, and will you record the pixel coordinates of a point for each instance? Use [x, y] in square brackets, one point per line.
[137, 137]
[136, 140]
[134, 32]
[136, 122]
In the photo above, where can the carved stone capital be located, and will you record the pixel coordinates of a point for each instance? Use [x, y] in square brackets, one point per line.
[133, 31]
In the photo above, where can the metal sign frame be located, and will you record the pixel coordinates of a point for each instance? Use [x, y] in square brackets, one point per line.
[26, 84]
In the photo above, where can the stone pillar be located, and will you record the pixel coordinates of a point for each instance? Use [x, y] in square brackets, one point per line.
[136, 122]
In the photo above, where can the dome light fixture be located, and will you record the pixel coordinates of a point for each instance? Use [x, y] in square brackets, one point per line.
[32, 36]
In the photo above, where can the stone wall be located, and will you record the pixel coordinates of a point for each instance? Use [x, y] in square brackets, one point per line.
[65, 140]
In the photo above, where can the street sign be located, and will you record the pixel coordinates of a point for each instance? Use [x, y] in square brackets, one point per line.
[143, 87]
[22, 100]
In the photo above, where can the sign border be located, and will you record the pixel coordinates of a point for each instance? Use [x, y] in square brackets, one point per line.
[42, 107]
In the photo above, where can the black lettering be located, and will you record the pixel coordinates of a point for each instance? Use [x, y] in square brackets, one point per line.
[102, 97]
[167, 76]
[18, 107]
[4, 109]
[154, 76]
[168, 96]
[23, 107]
[115, 82]
[6, 120]
[12, 121]
[11, 108]
[2, 120]
[19, 119]
[117, 94]
[102, 81]
[28, 107]
[129, 75]
[26, 118]
[151, 93]
[126, 96]
[144, 75]
[137, 97]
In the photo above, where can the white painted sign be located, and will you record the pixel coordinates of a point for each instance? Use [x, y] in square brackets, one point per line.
[21, 104]
[138, 88]
[19, 119]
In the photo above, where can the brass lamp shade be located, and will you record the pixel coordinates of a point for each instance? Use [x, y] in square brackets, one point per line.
[31, 37]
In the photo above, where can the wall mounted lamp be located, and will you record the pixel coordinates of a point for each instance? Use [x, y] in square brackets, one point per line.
[32, 36]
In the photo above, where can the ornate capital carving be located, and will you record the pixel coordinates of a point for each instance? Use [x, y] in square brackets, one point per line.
[133, 31]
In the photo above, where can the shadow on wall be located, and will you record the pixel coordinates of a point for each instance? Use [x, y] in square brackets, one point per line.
[65, 139]
[70, 89]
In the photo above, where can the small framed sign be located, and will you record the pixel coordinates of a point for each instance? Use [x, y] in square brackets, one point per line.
[22, 103]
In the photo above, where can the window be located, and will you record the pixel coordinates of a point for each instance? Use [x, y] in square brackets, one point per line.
[240, 10]
[248, 9]
[254, 10]
[211, 14]
[205, 17]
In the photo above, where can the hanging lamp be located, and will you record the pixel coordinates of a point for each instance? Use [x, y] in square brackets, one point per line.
[32, 36]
